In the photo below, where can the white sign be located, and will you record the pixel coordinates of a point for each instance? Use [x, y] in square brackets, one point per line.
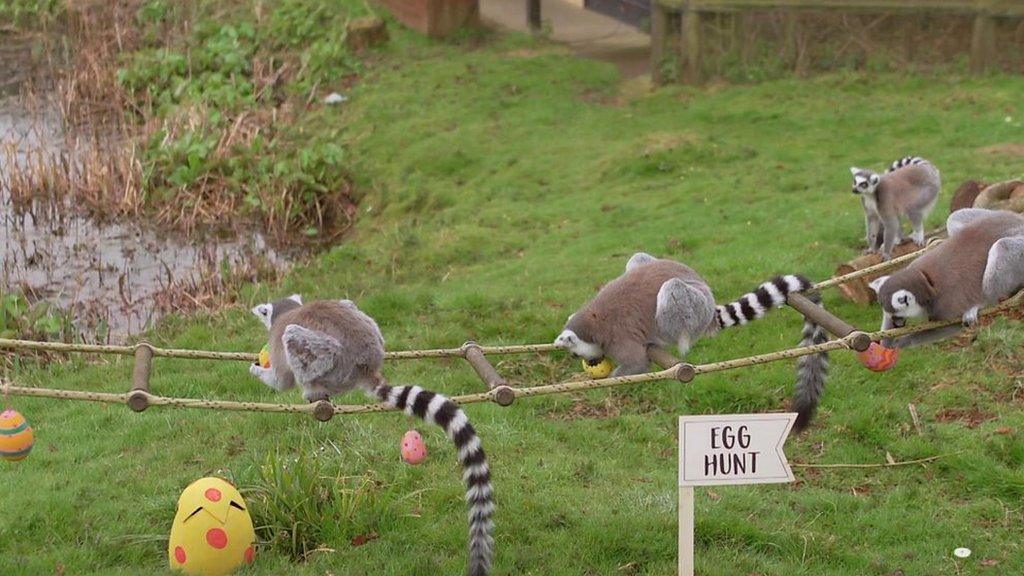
[727, 449]
[734, 449]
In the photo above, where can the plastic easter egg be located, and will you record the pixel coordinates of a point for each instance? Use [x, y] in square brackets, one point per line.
[16, 436]
[212, 533]
[598, 368]
[414, 450]
[878, 358]
[265, 356]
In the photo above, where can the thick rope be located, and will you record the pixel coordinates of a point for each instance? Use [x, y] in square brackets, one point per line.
[880, 267]
[558, 388]
[31, 345]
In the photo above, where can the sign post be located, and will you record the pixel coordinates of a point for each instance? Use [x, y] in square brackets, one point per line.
[727, 449]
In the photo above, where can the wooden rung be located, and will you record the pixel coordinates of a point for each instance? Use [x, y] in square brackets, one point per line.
[138, 399]
[830, 322]
[503, 394]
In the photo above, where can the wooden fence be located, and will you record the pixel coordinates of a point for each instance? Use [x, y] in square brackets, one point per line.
[676, 25]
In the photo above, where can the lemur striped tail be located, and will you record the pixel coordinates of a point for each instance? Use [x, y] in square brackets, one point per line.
[437, 409]
[754, 305]
[906, 161]
[811, 370]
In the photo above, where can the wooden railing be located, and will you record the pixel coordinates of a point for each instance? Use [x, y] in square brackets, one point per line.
[676, 24]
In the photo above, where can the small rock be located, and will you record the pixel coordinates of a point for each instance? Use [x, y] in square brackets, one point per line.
[335, 98]
[962, 552]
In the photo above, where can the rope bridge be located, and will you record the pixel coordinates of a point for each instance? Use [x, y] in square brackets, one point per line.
[139, 397]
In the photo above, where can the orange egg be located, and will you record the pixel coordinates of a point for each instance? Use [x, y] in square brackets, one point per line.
[16, 436]
[878, 358]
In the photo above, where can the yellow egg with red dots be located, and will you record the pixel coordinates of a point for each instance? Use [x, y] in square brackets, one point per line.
[878, 358]
[212, 533]
[598, 368]
[16, 436]
[265, 357]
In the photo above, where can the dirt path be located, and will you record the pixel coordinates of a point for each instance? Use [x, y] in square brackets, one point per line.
[587, 33]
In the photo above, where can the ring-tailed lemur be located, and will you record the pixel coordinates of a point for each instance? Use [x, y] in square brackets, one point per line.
[909, 188]
[980, 263]
[331, 347]
[662, 303]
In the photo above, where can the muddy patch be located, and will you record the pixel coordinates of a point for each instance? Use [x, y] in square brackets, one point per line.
[1007, 149]
[113, 276]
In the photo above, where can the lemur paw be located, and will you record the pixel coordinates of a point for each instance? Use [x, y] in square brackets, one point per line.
[970, 318]
[314, 397]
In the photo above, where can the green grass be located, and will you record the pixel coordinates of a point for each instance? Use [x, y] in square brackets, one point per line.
[503, 181]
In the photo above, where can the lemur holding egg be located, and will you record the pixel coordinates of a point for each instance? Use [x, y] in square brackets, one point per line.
[332, 347]
[980, 263]
[908, 189]
[658, 302]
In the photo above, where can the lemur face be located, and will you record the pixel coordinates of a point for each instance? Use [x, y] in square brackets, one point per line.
[269, 311]
[265, 312]
[571, 342]
[864, 181]
[904, 305]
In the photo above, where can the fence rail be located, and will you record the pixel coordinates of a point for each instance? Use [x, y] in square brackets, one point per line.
[676, 24]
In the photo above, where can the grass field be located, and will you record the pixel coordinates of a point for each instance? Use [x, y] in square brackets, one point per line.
[503, 182]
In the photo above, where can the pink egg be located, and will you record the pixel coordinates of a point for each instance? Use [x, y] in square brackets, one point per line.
[414, 450]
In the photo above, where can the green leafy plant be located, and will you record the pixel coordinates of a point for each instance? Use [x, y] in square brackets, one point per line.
[40, 320]
[299, 503]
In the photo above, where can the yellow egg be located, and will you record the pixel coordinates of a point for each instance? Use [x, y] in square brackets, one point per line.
[265, 357]
[16, 436]
[212, 533]
[598, 368]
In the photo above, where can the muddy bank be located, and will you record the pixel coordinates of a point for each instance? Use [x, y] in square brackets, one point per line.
[114, 276]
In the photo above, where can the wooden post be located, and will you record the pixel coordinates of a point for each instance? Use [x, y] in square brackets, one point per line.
[686, 526]
[138, 399]
[983, 43]
[503, 394]
[834, 325]
[533, 15]
[323, 411]
[660, 40]
[691, 58]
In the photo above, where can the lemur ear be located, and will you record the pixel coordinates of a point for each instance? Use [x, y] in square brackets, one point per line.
[876, 284]
[297, 298]
[854, 170]
[874, 178]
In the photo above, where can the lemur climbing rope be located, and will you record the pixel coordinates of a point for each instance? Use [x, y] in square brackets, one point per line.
[139, 398]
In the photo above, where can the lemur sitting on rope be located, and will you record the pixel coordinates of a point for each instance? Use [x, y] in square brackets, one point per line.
[330, 348]
[981, 263]
[661, 302]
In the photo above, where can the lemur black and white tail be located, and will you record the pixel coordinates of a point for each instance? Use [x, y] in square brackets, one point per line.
[906, 161]
[811, 370]
[437, 409]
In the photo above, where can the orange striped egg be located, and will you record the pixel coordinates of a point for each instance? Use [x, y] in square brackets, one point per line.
[16, 436]
[878, 358]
